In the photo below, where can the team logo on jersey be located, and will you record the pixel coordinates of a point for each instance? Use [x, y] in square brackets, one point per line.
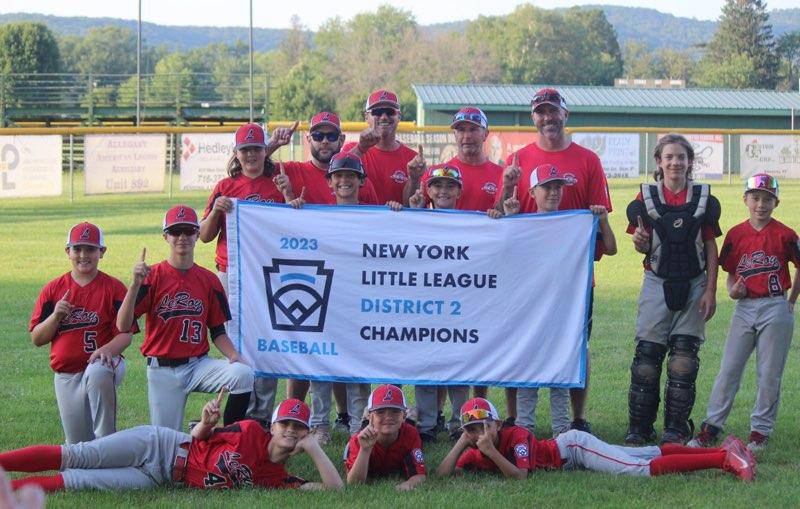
[237, 473]
[757, 263]
[297, 294]
[399, 176]
[257, 198]
[521, 450]
[489, 188]
[418, 457]
[78, 319]
[182, 304]
[571, 179]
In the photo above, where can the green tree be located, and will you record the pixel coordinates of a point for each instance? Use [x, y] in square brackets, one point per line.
[28, 48]
[302, 92]
[103, 50]
[788, 47]
[743, 30]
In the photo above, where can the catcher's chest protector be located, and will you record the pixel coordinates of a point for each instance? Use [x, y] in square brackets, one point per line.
[676, 253]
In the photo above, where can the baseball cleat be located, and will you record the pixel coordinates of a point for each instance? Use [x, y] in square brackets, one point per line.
[756, 441]
[322, 435]
[640, 436]
[739, 460]
[342, 422]
[581, 425]
[706, 437]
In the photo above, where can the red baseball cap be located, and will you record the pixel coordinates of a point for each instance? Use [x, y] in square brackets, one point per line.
[445, 172]
[180, 214]
[382, 98]
[387, 396]
[86, 234]
[548, 96]
[477, 410]
[250, 135]
[545, 173]
[325, 118]
[292, 410]
[472, 115]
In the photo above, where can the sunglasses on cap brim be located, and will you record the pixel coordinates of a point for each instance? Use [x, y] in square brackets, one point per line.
[476, 415]
[762, 183]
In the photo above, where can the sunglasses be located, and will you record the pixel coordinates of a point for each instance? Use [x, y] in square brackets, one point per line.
[475, 415]
[765, 182]
[182, 230]
[446, 172]
[470, 117]
[379, 112]
[549, 98]
[319, 136]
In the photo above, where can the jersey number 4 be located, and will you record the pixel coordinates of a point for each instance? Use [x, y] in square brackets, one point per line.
[190, 331]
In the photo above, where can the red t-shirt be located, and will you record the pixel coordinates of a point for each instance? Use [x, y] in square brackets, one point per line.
[386, 169]
[236, 457]
[260, 189]
[761, 257]
[91, 324]
[317, 189]
[587, 185]
[710, 231]
[479, 191]
[520, 447]
[182, 306]
[403, 456]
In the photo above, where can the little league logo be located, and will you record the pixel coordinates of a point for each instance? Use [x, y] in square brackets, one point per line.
[521, 450]
[399, 176]
[418, 457]
[297, 294]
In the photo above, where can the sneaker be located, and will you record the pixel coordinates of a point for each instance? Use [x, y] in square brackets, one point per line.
[756, 441]
[428, 437]
[640, 436]
[321, 434]
[509, 421]
[581, 425]
[739, 460]
[342, 422]
[192, 424]
[441, 424]
[412, 416]
[706, 437]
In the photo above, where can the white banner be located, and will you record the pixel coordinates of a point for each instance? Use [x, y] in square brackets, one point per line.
[619, 153]
[30, 166]
[204, 159]
[414, 297]
[778, 155]
[124, 163]
[709, 159]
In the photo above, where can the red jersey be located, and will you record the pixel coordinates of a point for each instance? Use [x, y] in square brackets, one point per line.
[761, 257]
[587, 185]
[479, 184]
[710, 231]
[245, 188]
[403, 456]
[236, 457]
[317, 189]
[520, 447]
[386, 169]
[91, 324]
[182, 306]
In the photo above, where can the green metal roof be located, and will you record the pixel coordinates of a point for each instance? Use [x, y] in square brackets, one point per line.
[593, 99]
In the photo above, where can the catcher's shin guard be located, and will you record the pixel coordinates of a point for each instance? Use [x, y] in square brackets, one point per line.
[643, 397]
[682, 367]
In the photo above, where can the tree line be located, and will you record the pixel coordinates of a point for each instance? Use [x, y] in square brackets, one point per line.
[336, 67]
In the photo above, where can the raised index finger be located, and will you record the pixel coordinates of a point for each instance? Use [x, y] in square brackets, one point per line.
[515, 162]
[419, 150]
[640, 222]
[294, 127]
[515, 192]
[280, 166]
[221, 394]
[65, 295]
[144, 253]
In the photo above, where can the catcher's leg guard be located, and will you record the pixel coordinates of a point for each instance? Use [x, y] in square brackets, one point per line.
[643, 397]
[682, 367]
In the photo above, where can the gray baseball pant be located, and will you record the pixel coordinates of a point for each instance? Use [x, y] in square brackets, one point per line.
[765, 325]
[357, 396]
[321, 393]
[582, 450]
[528, 398]
[136, 458]
[87, 401]
[427, 397]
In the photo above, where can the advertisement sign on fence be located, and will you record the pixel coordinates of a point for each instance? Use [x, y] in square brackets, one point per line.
[204, 159]
[124, 163]
[619, 153]
[30, 166]
[709, 150]
[768, 153]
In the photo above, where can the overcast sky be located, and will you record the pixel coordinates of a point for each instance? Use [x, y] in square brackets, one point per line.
[272, 14]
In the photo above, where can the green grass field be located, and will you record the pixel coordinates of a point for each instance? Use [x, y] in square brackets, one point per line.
[34, 239]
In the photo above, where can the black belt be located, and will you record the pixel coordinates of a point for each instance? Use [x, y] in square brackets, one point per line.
[164, 362]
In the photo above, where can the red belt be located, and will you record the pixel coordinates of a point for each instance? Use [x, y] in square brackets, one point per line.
[179, 468]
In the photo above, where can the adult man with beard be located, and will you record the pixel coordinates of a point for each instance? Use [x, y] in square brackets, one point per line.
[586, 186]
[394, 169]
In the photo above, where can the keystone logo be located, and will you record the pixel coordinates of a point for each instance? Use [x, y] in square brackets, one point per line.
[297, 294]
[188, 148]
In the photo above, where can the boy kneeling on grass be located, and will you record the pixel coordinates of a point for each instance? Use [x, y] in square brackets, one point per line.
[237, 456]
[388, 444]
[514, 451]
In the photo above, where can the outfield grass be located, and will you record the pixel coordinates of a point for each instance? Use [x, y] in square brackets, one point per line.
[34, 238]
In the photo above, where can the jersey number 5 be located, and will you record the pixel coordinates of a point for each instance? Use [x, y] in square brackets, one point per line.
[89, 341]
[190, 331]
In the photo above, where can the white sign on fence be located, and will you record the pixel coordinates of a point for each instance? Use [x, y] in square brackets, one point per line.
[416, 297]
[30, 166]
[204, 158]
[124, 163]
[619, 153]
[777, 155]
